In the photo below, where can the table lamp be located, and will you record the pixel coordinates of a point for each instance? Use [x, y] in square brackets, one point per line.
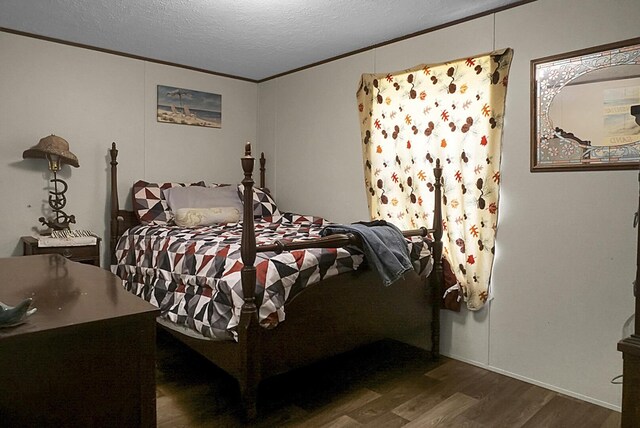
[56, 151]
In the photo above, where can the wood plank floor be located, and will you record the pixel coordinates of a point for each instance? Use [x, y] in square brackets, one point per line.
[384, 385]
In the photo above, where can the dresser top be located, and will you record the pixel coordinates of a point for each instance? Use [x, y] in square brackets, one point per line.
[65, 293]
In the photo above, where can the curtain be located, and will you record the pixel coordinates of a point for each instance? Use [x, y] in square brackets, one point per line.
[453, 112]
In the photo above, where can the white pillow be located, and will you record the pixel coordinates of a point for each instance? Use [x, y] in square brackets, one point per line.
[194, 217]
[202, 197]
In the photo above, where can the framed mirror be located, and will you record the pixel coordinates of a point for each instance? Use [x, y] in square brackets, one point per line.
[581, 105]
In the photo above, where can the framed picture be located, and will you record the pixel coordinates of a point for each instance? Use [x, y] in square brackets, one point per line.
[189, 107]
[581, 106]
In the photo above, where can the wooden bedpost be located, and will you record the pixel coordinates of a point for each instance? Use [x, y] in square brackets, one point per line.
[248, 249]
[114, 231]
[437, 257]
[263, 161]
[248, 326]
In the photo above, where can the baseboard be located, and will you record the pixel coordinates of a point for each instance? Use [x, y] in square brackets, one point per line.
[535, 382]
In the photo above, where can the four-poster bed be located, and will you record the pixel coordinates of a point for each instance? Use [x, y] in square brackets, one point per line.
[340, 313]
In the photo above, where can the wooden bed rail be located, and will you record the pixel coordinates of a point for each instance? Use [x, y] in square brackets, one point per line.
[332, 241]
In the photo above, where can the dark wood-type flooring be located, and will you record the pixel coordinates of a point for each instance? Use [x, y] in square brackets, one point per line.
[388, 384]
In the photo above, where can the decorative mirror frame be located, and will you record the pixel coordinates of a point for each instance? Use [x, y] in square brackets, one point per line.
[548, 76]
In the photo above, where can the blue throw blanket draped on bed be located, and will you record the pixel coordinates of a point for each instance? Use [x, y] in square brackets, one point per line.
[384, 245]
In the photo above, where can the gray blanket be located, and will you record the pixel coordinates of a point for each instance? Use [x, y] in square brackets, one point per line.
[384, 245]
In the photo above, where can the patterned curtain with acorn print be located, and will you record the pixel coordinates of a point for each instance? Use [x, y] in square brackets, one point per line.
[453, 112]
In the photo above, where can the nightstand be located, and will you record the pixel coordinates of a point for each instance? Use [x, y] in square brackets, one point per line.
[88, 254]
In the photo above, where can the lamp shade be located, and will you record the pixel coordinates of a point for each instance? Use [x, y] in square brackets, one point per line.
[52, 145]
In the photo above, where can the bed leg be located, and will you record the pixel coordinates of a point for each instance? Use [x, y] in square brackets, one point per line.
[249, 399]
[435, 314]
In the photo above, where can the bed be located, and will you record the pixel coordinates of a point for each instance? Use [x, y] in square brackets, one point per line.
[340, 306]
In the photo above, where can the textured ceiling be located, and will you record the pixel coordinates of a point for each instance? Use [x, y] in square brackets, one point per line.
[252, 39]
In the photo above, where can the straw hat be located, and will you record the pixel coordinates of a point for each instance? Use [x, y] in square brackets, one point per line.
[52, 145]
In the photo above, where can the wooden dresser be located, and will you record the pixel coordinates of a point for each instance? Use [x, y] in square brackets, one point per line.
[85, 358]
[630, 348]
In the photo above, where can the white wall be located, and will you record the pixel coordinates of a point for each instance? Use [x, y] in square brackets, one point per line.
[566, 248]
[92, 99]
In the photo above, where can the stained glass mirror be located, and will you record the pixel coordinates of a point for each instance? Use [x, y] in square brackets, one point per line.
[581, 109]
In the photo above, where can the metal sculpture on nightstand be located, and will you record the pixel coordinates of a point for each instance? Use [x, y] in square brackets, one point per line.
[56, 151]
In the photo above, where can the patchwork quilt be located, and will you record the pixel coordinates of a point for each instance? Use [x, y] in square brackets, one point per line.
[193, 275]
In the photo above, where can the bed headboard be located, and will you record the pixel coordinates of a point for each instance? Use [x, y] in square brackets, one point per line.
[122, 220]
